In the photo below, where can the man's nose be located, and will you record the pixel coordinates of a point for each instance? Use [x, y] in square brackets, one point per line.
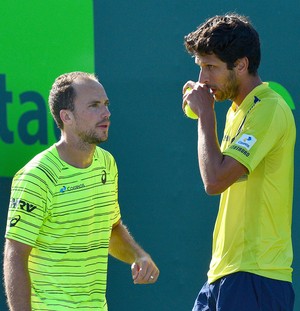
[203, 77]
[106, 113]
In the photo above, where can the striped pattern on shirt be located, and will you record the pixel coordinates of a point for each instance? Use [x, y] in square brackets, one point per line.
[66, 214]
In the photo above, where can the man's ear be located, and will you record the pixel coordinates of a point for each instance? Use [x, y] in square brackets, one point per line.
[241, 65]
[66, 116]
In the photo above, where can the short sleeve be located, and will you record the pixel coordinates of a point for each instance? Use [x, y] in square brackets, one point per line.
[27, 207]
[262, 132]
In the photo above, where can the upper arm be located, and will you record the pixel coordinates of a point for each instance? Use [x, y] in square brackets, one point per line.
[15, 250]
[229, 171]
[16, 275]
[114, 235]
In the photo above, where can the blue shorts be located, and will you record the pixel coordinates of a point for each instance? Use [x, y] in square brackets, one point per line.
[243, 291]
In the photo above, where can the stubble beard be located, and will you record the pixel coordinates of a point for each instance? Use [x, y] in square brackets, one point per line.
[92, 138]
[230, 89]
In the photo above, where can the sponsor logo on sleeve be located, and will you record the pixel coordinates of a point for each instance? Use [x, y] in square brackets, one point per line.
[22, 205]
[14, 221]
[246, 141]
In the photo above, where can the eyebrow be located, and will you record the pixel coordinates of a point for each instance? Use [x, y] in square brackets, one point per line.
[99, 102]
[199, 63]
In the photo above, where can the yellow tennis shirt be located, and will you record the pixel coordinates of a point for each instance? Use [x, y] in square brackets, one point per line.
[66, 214]
[253, 227]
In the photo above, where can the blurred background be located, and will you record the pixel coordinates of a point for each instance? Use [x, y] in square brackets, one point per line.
[137, 51]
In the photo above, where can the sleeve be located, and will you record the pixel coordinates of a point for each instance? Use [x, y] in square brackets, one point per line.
[117, 212]
[262, 131]
[27, 207]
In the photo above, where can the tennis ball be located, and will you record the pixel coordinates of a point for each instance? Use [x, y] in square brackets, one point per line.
[188, 111]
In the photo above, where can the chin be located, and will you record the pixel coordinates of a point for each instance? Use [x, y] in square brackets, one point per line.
[103, 139]
[220, 98]
[98, 141]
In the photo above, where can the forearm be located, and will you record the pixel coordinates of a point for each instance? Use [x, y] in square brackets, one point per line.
[218, 172]
[122, 245]
[209, 154]
[16, 281]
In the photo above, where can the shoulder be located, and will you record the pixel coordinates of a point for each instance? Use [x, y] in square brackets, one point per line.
[271, 106]
[104, 156]
[271, 98]
[44, 166]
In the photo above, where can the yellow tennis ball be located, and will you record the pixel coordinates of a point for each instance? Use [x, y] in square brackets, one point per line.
[187, 109]
[189, 112]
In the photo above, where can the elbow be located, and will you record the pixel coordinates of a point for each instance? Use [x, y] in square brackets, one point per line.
[213, 188]
[211, 191]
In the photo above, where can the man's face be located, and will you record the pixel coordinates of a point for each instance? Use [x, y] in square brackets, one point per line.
[214, 73]
[91, 112]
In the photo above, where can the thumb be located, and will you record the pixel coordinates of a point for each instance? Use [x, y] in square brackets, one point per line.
[135, 270]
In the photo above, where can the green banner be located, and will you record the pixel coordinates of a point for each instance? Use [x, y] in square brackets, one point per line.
[281, 90]
[39, 41]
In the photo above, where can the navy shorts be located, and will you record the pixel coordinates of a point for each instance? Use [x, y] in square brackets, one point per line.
[243, 291]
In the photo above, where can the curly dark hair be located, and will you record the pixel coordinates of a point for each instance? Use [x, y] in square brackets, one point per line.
[62, 93]
[229, 37]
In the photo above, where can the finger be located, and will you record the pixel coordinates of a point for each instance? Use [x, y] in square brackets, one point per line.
[153, 277]
[202, 86]
[149, 277]
[187, 92]
[142, 277]
[135, 269]
[190, 84]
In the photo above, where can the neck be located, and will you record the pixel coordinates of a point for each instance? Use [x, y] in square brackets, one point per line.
[77, 155]
[246, 87]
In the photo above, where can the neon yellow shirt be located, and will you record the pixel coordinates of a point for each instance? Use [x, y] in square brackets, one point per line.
[253, 227]
[66, 214]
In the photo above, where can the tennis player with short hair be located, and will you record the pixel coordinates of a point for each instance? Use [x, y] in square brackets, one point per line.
[64, 217]
[253, 170]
